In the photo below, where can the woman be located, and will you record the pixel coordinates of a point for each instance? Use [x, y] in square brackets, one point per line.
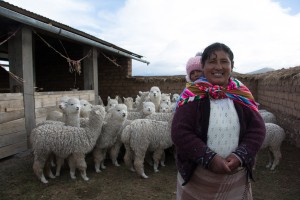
[217, 131]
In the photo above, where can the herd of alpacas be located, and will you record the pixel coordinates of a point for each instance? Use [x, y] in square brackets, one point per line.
[141, 124]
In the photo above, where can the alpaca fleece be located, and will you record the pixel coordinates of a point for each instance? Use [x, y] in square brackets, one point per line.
[116, 116]
[142, 136]
[64, 140]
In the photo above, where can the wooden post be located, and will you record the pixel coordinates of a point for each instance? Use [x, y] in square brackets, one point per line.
[95, 75]
[21, 64]
[27, 60]
[90, 71]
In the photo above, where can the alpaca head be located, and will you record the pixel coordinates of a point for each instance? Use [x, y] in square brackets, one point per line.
[148, 108]
[155, 92]
[111, 103]
[119, 112]
[86, 108]
[165, 98]
[73, 106]
[63, 101]
[165, 108]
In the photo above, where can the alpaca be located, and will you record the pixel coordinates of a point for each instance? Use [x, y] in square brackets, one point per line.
[58, 115]
[129, 103]
[64, 141]
[85, 109]
[268, 117]
[165, 107]
[143, 97]
[175, 97]
[111, 103]
[165, 98]
[72, 118]
[273, 140]
[115, 119]
[148, 108]
[71, 111]
[155, 97]
[144, 135]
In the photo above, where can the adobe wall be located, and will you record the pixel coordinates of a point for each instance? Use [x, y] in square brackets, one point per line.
[278, 91]
[114, 80]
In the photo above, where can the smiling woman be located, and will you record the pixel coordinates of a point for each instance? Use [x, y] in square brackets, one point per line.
[218, 64]
[217, 131]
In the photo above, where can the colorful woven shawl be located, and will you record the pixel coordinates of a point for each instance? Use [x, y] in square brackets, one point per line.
[201, 88]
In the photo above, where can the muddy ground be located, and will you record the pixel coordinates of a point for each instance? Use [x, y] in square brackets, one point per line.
[18, 182]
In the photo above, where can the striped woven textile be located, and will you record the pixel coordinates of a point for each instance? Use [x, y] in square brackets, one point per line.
[206, 185]
[201, 88]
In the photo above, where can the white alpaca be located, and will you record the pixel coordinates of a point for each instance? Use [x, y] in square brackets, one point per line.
[100, 101]
[136, 102]
[71, 111]
[85, 109]
[148, 108]
[155, 97]
[273, 140]
[165, 108]
[160, 116]
[111, 103]
[72, 118]
[268, 117]
[142, 136]
[175, 97]
[115, 149]
[116, 117]
[64, 141]
[58, 115]
[143, 97]
[165, 98]
[119, 99]
[128, 102]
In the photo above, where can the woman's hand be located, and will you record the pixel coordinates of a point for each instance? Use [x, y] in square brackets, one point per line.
[233, 162]
[219, 165]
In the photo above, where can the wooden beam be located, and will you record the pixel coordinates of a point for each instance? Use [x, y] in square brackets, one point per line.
[95, 75]
[88, 70]
[28, 93]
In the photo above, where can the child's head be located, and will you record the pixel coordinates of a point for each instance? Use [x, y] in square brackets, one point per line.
[193, 69]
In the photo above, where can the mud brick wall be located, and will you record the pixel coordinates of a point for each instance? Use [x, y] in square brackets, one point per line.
[114, 80]
[277, 91]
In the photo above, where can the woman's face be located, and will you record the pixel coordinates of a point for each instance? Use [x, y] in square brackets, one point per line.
[217, 68]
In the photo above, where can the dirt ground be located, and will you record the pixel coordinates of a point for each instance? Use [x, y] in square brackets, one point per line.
[18, 182]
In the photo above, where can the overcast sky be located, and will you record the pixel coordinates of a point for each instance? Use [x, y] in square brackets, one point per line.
[261, 33]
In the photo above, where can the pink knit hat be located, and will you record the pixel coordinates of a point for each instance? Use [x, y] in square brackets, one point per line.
[194, 63]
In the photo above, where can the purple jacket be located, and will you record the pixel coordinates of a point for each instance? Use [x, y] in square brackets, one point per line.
[189, 135]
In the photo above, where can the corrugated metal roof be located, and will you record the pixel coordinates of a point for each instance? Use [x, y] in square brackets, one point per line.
[62, 26]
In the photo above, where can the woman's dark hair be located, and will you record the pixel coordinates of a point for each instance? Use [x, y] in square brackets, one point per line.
[208, 51]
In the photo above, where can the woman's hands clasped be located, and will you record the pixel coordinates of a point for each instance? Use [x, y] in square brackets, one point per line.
[220, 165]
